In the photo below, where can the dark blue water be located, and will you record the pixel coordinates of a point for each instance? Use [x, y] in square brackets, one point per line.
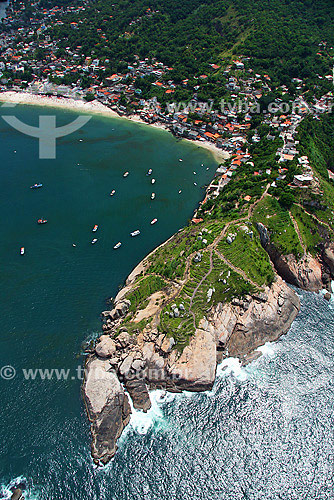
[263, 432]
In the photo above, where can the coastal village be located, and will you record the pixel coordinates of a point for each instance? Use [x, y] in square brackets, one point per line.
[33, 64]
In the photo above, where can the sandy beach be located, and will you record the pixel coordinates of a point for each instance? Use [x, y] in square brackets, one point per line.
[95, 107]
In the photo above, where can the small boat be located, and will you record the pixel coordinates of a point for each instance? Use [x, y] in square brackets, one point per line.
[195, 183]
[149, 172]
[36, 186]
[153, 221]
[194, 173]
[180, 159]
[180, 191]
[73, 245]
[112, 192]
[22, 250]
[207, 168]
[135, 233]
[117, 245]
[41, 221]
[152, 196]
[95, 228]
[153, 181]
[125, 174]
[202, 165]
[94, 241]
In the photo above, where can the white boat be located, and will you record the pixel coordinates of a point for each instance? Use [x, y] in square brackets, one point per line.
[135, 233]
[112, 192]
[207, 168]
[73, 245]
[125, 174]
[22, 250]
[149, 172]
[195, 183]
[154, 221]
[153, 181]
[180, 191]
[180, 159]
[94, 241]
[194, 173]
[152, 196]
[95, 228]
[117, 245]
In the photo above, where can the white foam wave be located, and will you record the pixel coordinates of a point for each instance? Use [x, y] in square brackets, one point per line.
[6, 490]
[142, 422]
[232, 366]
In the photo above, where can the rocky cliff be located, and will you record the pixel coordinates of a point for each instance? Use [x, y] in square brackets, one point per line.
[147, 359]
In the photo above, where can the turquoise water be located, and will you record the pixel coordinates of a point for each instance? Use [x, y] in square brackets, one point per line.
[263, 432]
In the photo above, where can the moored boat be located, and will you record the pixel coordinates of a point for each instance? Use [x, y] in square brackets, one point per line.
[125, 174]
[152, 196]
[22, 250]
[153, 181]
[94, 241]
[149, 172]
[36, 186]
[95, 228]
[112, 192]
[180, 159]
[41, 221]
[154, 221]
[117, 245]
[135, 233]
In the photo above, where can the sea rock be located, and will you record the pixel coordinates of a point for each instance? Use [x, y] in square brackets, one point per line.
[139, 394]
[105, 347]
[107, 407]
[17, 495]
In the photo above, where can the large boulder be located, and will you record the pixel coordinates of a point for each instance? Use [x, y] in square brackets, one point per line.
[105, 347]
[107, 406]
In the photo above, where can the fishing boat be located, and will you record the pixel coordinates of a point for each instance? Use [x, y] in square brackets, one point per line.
[36, 186]
[117, 245]
[22, 250]
[112, 192]
[94, 241]
[135, 233]
[95, 228]
[125, 174]
[41, 221]
[149, 172]
[153, 181]
[154, 221]
[152, 196]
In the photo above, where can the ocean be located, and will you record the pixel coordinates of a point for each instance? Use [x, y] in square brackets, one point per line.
[264, 431]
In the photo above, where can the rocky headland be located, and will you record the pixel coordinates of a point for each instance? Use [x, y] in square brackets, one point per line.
[171, 332]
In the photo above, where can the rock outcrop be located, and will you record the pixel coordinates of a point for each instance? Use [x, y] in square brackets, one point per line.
[148, 358]
[305, 273]
[243, 326]
[107, 407]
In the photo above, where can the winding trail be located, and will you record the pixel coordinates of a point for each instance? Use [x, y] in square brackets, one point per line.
[295, 225]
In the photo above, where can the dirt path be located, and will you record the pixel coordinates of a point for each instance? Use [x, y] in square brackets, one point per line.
[295, 225]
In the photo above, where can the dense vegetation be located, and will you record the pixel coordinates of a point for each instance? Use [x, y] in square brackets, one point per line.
[281, 36]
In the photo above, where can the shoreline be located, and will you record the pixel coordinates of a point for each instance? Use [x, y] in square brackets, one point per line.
[98, 108]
